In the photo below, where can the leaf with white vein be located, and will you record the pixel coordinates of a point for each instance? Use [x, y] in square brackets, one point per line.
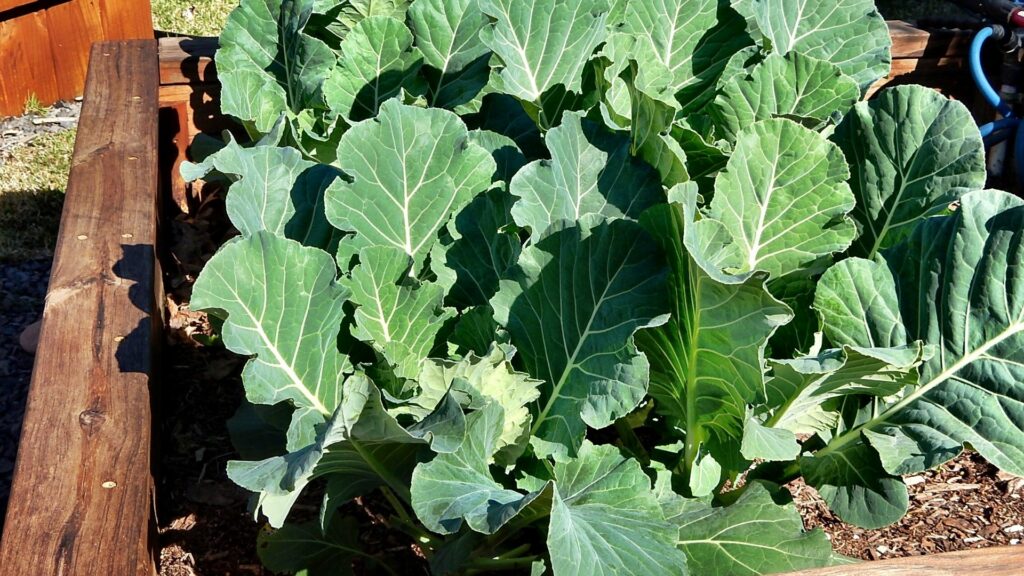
[850, 34]
[448, 34]
[912, 152]
[543, 43]
[361, 443]
[458, 487]
[412, 169]
[275, 190]
[267, 64]
[400, 319]
[377, 61]
[784, 198]
[750, 537]
[793, 86]
[283, 307]
[590, 172]
[606, 519]
[571, 306]
[707, 361]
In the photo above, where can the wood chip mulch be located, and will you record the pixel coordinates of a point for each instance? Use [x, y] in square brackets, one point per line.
[965, 503]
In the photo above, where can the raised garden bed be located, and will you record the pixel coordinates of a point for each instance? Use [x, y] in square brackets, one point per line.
[83, 491]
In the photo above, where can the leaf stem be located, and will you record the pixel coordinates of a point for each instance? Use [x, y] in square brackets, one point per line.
[385, 474]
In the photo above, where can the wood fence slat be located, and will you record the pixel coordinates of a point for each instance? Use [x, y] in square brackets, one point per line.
[81, 498]
[26, 65]
[72, 27]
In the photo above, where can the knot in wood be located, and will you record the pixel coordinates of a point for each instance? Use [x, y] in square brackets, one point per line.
[91, 419]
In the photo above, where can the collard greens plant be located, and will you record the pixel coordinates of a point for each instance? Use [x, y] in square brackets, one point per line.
[575, 286]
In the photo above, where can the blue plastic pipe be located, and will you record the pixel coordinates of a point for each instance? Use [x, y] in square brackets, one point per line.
[1018, 155]
[997, 125]
[979, 75]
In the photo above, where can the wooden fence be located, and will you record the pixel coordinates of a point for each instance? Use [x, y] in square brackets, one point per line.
[44, 44]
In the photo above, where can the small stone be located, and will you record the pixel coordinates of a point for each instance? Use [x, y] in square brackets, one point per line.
[1014, 541]
[914, 480]
[973, 539]
[883, 549]
[1013, 529]
[29, 338]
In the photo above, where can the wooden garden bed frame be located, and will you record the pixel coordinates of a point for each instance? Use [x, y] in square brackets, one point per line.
[83, 490]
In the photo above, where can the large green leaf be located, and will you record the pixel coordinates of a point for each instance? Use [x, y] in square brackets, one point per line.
[479, 381]
[959, 290]
[590, 172]
[448, 34]
[458, 487]
[543, 43]
[377, 61]
[316, 552]
[707, 361]
[682, 45]
[750, 537]
[784, 198]
[361, 445]
[855, 486]
[283, 307]
[605, 519]
[799, 390]
[793, 86]
[400, 319]
[267, 65]
[571, 306]
[411, 169]
[343, 15]
[275, 190]
[912, 152]
[850, 34]
[856, 300]
[481, 250]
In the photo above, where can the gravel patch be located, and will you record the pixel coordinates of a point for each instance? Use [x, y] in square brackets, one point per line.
[20, 130]
[22, 290]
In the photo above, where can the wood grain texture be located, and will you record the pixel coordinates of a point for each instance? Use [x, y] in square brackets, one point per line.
[44, 46]
[911, 42]
[72, 27]
[26, 63]
[6, 5]
[81, 498]
[1002, 561]
[187, 61]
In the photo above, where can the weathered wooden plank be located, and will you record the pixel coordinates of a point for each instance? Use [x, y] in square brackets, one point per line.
[947, 74]
[911, 42]
[187, 60]
[81, 498]
[1001, 561]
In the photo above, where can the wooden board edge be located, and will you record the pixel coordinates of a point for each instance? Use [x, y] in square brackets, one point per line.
[187, 60]
[81, 498]
[995, 561]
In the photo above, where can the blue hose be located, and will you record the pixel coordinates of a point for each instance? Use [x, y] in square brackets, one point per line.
[979, 75]
[997, 125]
[1018, 155]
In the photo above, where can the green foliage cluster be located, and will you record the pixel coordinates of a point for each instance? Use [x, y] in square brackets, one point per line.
[552, 275]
